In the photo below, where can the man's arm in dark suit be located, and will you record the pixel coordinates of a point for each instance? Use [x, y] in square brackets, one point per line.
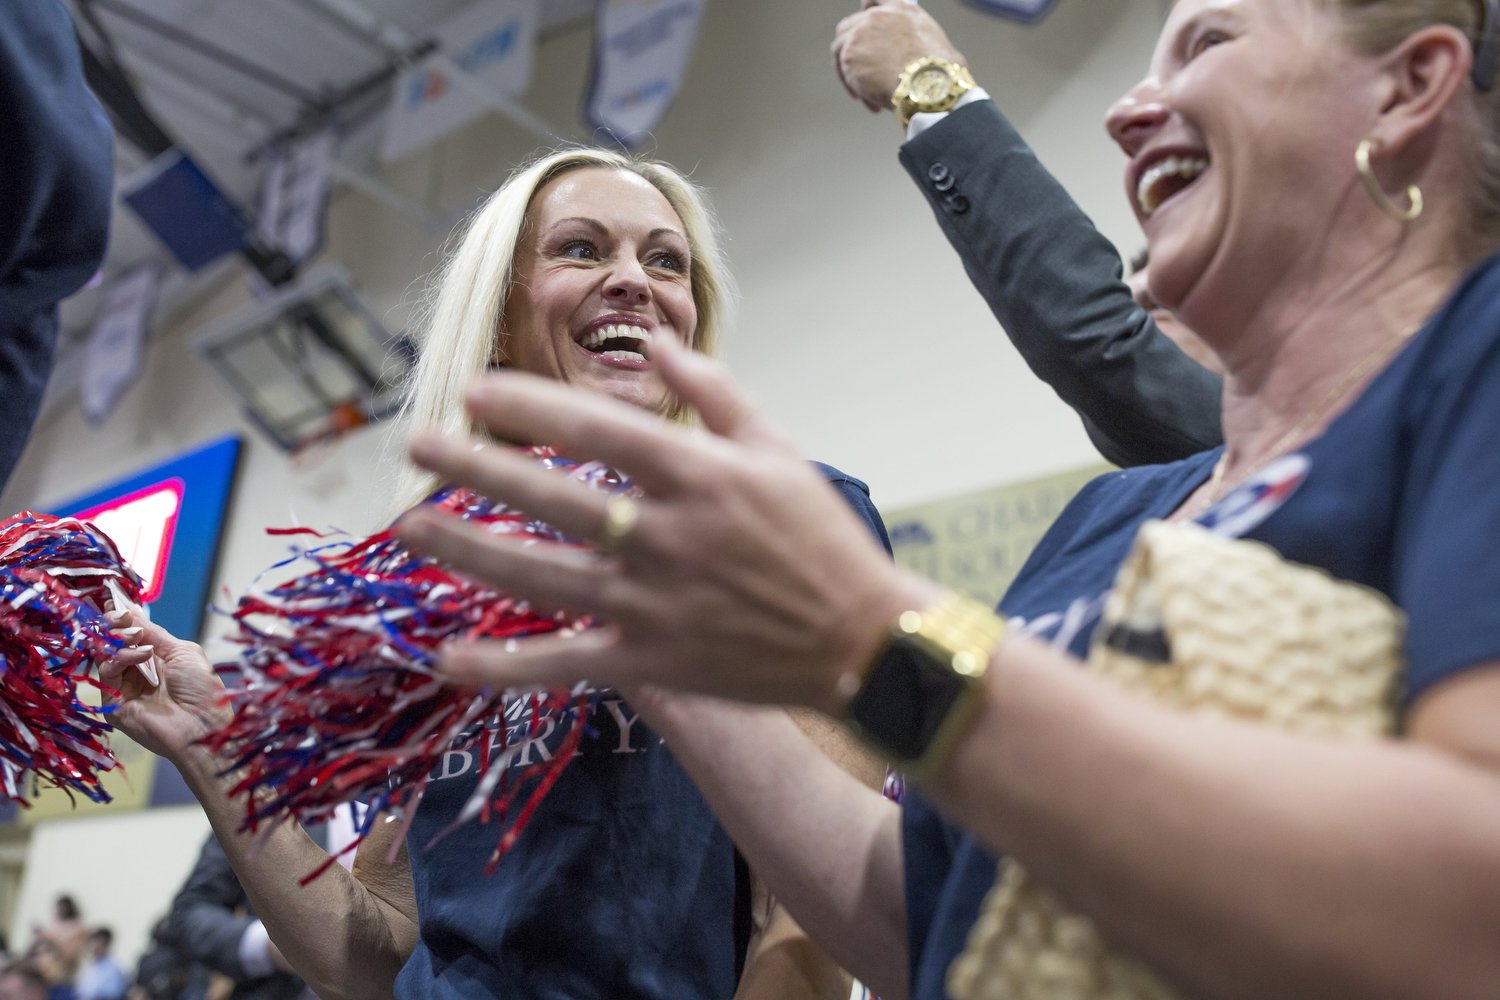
[1053, 282]
[203, 921]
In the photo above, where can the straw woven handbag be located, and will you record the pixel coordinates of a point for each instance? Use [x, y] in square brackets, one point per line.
[1205, 624]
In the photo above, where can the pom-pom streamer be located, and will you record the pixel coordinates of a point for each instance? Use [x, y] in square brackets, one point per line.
[339, 699]
[56, 575]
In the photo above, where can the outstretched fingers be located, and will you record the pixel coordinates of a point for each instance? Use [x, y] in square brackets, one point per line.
[706, 386]
[553, 577]
[544, 661]
[516, 406]
[518, 480]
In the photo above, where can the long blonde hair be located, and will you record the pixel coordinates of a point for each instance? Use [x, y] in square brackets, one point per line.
[462, 314]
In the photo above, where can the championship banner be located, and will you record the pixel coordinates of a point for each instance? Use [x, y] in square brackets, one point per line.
[641, 51]
[977, 543]
[1025, 11]
[492, 43]
[294, 197]
[117, 343]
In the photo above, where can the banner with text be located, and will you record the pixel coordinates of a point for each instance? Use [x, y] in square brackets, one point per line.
[294, 196]
[641, 52]
[486, 49]
[976, 543]
[117, 344]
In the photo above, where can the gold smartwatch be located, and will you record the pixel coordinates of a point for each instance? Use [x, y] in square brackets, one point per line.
[929, 84]
[920, 693]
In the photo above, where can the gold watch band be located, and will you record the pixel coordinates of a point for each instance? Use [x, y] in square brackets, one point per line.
[959, 628]
[919, 696]
[929, 84]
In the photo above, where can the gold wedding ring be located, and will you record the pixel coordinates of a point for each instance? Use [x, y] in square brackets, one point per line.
[620, 516]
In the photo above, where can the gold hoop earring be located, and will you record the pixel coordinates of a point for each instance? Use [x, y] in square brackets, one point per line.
[1386, 202]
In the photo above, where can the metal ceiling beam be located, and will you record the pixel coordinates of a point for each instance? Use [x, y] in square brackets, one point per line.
[359, 17]
[208, 50]
[389, 196]
[506, 105]
[225, 115]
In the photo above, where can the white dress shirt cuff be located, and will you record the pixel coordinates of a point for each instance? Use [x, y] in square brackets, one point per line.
[925, 120]
[255, 951]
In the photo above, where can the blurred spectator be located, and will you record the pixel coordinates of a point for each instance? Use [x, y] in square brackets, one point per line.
[57, 949]
[101, 977]
[22, 982]
[166, 972]
[212, 923]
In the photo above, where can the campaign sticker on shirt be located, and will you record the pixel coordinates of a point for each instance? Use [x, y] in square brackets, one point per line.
[1260, 496]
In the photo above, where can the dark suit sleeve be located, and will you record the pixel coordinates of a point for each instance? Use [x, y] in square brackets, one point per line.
[1054, 284]
[56, 167]
[203, 922]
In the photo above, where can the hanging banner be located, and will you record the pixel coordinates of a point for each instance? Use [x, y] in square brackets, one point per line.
[183, 206]
[490, 42]
[641, 51]
[976, 543]
[1025, 11]
[294, 197]
[117, 343]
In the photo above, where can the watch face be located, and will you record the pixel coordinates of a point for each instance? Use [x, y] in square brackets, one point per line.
[905, 699]
[930, 85]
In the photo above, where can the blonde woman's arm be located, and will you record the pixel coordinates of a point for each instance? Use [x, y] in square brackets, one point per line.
[346, 933]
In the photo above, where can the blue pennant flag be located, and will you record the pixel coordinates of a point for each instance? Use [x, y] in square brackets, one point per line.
[1025, 11]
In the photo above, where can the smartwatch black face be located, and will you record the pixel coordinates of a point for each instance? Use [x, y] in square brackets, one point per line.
[905, 699]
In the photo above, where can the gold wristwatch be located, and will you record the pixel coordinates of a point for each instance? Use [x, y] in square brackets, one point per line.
[929, 84]
[921, 691]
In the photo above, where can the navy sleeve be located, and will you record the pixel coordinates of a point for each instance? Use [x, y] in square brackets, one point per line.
[857, 495]
[57, 164]
[1053, 282]
[1446, 568]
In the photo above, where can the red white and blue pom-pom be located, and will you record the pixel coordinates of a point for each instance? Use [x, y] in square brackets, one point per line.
[339, 699]
[56, 575]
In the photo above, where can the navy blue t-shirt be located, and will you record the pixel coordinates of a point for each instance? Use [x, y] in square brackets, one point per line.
[1400, 493]
[622, 885]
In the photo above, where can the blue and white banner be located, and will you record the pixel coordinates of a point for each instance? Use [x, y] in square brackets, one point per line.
[294, 196]
[1027, 11]
[492, 44]
[117, 344]
[641, 51]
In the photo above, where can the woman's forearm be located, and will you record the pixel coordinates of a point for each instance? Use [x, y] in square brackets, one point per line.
[827, 846]
[1241, 861]
[344, 940]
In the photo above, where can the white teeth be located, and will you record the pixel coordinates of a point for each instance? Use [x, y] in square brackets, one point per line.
[1187, 168]
[595, 338]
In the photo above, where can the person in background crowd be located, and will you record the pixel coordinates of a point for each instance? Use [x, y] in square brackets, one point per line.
[101, 977]
[1176, 330]
[56, 176]
[1051, 279]
[211, 922]
[167, 973]
[57, 948]
[20, 981]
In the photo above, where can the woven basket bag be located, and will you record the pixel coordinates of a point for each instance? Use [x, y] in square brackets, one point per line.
[1206, 624]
